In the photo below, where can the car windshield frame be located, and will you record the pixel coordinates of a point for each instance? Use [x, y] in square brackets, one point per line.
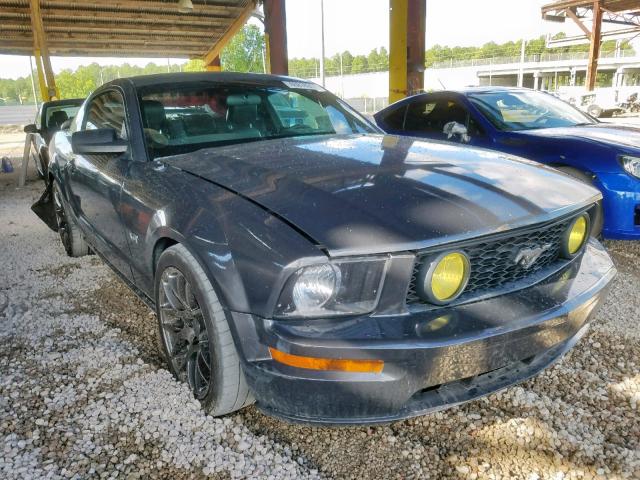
[548, 110]
[314, 96]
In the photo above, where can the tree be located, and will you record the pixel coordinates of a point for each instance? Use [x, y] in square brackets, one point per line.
[244, 52]
[194, 65]
[359, 64]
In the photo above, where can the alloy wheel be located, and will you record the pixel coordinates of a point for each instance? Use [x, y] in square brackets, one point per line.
[184, 332]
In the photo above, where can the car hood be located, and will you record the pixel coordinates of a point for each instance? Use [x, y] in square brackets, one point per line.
[373, 193]
[613, 135]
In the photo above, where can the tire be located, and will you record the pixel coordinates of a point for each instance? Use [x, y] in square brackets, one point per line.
[194, 336]
[70, 235]
[594, 110]
[597, 220]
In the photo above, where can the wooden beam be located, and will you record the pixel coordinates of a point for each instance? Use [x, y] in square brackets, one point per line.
[15, 24]
[571, 14]
[19, 47]
[594, 48]
[116, 18]
[275, 21]
[214, 66]
[237, 24]
[40, 43]
[417, 13]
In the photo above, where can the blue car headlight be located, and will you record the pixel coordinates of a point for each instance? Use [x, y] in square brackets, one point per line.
[340, 287]
[630, 164]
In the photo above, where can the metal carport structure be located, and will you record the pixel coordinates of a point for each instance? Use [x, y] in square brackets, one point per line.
[619, 12]
[182, 29]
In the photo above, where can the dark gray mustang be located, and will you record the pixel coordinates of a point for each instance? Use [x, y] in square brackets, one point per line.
[297, 257]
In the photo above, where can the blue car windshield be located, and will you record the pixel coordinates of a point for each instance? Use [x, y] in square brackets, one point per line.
[188, 117]
[527, 110]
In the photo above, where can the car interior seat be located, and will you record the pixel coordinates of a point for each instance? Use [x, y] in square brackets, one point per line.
[242, 114]
[56, 120]
[154, 116]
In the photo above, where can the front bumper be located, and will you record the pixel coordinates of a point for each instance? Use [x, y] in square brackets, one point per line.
[478, 348]
[621, 204]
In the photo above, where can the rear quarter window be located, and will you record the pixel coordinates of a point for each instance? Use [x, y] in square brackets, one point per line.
[395, 119]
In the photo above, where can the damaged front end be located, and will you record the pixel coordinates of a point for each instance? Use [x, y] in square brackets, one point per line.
[44, 208]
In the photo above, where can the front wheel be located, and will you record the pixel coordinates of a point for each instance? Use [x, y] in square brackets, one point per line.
[194, 334]
[597, 220]
[70, 235]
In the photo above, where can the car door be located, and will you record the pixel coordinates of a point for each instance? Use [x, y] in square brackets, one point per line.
[95, 182]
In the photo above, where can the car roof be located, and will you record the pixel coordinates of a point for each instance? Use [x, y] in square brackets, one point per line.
[484, 89]
[66, 101]
[223, 77]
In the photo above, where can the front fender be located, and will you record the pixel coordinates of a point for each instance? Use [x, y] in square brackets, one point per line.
[242, 248]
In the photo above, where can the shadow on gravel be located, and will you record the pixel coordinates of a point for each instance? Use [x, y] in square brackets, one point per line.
[120, 308]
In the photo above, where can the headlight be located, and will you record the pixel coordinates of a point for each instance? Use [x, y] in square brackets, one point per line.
[345, 287]
[315, 286]
[631, 165]
[575, 236]
[444, 277]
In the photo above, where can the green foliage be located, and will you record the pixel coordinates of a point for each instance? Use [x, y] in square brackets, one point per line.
[341, 63]
[536, 46]
[244, 52]
[194, 65]
[17, 92]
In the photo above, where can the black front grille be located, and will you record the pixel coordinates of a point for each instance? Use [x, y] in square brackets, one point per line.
[493, 261]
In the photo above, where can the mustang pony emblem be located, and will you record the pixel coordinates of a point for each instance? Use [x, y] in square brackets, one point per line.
[528, 256]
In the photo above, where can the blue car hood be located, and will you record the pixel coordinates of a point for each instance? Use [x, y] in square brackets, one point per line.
[356, 194]
[605, 133]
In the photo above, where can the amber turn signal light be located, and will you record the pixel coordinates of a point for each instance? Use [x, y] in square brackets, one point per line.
[334, 364]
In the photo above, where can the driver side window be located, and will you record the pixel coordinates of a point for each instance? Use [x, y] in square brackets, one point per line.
[107, 111]
[430, 116]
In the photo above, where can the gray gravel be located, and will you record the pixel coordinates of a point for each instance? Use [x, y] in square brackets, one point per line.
[84, 394]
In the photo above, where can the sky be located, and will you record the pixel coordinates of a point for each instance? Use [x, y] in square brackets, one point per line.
[361, 25]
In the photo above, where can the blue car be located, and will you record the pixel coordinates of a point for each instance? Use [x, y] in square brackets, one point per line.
[541, 127]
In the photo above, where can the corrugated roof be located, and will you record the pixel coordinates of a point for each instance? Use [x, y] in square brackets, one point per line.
[143, 28]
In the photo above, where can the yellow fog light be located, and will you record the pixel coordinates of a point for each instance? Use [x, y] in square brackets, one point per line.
[444, 278]
[575, 236]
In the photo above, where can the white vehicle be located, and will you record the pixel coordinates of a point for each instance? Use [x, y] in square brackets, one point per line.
[603, 102]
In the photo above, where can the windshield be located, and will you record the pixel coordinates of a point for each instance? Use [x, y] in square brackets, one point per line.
[181, 119]
[527, 110]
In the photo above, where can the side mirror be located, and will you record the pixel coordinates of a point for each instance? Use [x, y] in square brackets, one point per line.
[66, 124]
[454, 128]
[31, 128]
[99, 141]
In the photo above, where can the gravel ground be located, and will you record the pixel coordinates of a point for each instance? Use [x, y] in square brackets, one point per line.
[83, 393]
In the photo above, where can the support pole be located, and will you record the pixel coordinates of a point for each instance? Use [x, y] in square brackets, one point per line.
[406, 47]
[33, 82]
[275, 24]
[44, 91]
[43, 62]
[398, 13]
[417, 14]
[594, 49]
[322, 81]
